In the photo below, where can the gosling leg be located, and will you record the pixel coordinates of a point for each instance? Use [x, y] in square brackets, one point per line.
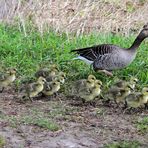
[2, 90]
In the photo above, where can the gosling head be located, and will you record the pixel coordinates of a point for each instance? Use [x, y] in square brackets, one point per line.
[91, 78]
[53, 72]
[56, 83]
[12, 71]
[41, 80]
[98, 83]
[145, 91]
[62, 74]
[60, 79]
[54, 67]
[133, 80]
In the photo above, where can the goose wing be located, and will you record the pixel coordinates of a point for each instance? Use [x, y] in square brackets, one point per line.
[92, 53]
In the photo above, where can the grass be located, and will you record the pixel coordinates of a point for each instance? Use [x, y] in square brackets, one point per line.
[79, 16]
[124, 144]
[2, 141]
[27, 53]
[34, 117]
[41, 122]
[142, 125]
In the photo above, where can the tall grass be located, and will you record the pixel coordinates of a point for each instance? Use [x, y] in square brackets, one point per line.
[77, 16]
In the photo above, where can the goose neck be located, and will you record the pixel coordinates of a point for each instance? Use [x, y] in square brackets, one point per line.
[136, 43]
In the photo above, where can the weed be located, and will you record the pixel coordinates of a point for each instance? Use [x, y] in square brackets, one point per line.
[142, 125]
[124, 144]
[2, 141]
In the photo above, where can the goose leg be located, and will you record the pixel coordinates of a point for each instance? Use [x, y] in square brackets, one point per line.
[106, 72]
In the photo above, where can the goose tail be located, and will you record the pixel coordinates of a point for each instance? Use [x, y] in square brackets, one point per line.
[89, 62]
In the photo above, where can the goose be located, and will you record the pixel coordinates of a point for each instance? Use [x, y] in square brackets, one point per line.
[107, 57]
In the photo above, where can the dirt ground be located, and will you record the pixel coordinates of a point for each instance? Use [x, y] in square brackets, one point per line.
[80, 126]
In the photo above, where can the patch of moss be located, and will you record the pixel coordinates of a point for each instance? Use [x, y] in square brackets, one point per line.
[124, 144]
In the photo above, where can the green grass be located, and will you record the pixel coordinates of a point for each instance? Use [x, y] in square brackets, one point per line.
[124, 144]
[34, 117]
[142, 125]
[26, 53]
[2, 141]
[41, 122]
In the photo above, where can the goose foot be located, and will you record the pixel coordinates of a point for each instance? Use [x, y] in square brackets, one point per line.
[106, 72]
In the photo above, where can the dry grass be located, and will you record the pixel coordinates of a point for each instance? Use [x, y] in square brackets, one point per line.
[77, 16]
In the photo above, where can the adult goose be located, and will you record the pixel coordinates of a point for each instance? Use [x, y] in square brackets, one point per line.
[108, 57]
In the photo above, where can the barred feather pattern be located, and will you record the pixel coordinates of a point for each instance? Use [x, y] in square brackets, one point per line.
[106, 56]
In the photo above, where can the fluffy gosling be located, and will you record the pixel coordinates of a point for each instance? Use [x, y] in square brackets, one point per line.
[132, 83]
[117, 93]
[94, 92]
[7, 78]
[47, 72]
[51, 88]
[136, 100]
[85, 83]
[33, 89]
[59, 76]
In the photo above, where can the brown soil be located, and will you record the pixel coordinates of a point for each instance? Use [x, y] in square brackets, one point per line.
[81, 126]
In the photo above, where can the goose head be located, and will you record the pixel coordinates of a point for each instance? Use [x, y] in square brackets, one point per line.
[144, 33]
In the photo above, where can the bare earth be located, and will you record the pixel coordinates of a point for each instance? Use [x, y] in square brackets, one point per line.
[81, 126]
